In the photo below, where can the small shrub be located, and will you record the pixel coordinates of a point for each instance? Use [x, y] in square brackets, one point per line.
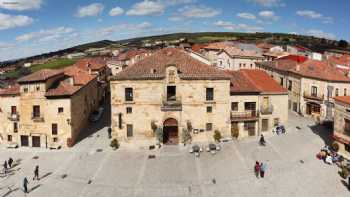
[115, 144]
[335, 146]
[217, 136]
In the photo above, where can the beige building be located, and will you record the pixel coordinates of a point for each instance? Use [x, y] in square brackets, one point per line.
[342, 124]
[232, 58]
[48, 108]
[311, 85]
[174, 91]
[258, 103]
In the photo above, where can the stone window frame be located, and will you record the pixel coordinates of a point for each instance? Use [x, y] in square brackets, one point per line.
[208, 126]
[209, 109]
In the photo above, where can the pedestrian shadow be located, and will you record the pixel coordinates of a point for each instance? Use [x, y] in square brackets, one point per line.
[46, 175]
[345, 184]
[34, 188]
[10, 191]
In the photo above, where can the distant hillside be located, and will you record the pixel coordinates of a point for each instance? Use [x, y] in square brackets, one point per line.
[314, 43]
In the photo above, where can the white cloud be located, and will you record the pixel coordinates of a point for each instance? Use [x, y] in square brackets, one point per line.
[268, 3]
[46, 35]
[4, 45]
[116, 11]
[237, 27]
[12, 21]
[246, 15]
[314, 15]
[268, 15]
[198, 12]
[320, 34]
[146, 7]
[93, 9]
[21, 5]
[176, 2]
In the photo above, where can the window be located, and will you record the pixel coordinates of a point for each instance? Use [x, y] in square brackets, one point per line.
[129, 110]
[336, 92]
[234, 106]
[314, 91]
[13, 110]
[347, 127]
[209, 126]
[54, 129]
[281, 81]
[243, 65]
[251, 65]
[36, 111]
[9, 138]
[345, 91]
[55, 139]
[209, 109]
[171, 93]
[15, 127]
[60, 110]
[249, 106]
[290, 85]
[240, 65]
[265, 124]
[129, 130]
[129, 94]
[210, 94]
[250, 127]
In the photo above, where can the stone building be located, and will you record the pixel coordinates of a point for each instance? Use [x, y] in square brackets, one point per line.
[233, 58]
[258, 103]
[311, 85]
[174, 91]
[342, 124]
[48, 108]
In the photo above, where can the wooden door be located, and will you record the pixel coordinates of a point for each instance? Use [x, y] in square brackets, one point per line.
[35, 141]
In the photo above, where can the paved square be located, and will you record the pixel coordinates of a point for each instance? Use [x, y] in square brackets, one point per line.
[84, 171]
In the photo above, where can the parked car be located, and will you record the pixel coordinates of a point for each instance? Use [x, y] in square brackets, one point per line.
[96, 115]
[279, 129]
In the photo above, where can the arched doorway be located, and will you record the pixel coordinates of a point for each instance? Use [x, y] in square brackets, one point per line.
[170, 131]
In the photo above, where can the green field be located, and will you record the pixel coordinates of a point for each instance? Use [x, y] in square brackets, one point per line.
[55, 64]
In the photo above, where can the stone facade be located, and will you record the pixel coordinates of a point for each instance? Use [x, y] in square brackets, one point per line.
[149, 105]
[341, 127]
[224, 61]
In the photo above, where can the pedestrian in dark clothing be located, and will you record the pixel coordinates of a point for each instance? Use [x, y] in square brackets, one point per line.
[25, 185]
[257, 169]
[263, 167]
[5, 167]
[349, 182]
[10, 162]
[36, 173]
[109, 132]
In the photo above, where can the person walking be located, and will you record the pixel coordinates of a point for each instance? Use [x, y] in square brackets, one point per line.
[109, 130]
[262, 140]
[263, 168]
[5, 167]
[349, 182]
[36, 173]
[257, 169]
[10, 162]
[25, 185]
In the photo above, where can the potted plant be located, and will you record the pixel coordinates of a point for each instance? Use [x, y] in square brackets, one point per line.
[115, 144]
[217, 136]
[186, 136]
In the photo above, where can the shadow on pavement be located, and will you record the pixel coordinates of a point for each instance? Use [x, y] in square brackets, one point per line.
[92, 128]
[34, 188]
[10, 191]
[324, 132]
[46, 175]
[345, 184]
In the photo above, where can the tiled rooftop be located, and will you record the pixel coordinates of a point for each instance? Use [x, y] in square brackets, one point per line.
[41, 75]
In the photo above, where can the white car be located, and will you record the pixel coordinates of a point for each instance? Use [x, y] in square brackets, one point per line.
[96, 115]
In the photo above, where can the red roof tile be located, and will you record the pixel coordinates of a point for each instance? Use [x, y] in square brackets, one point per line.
[10, 91]
[198, 47]
[130, 54]
[80, 76]
[219, 45]
[251, 80]
[41, 75]
[343, 99]
[63, 89]
[234, 52]
[91, 63]
[296, 58]
[154, 66]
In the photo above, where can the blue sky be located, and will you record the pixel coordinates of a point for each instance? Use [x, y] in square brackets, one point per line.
[29, 27]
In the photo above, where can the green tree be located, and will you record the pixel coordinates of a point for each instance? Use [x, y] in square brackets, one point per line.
[342, 43]
[217, 136]
[186, 135]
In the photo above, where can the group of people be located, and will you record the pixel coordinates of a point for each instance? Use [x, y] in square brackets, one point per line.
[7, 165]
[329, 156]
[260, 169]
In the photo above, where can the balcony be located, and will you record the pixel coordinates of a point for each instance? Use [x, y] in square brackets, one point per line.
[13, 116]
[266, 110]
[38, 117]
[312, 96]
[171, 104]
[245, 115]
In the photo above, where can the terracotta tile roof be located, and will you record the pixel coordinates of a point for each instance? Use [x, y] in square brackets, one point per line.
[130, 54]
[343, 99]
[80, 76]
[265, 46]
[96, 63]
[41, 75]
[10, 91]
[63, 89]
[235, 52]
[276, 54]
[343, 60]
[322, 70]
[296, 58]
[154, 66]
[254, 81]
[219, 45]
[198, 47]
